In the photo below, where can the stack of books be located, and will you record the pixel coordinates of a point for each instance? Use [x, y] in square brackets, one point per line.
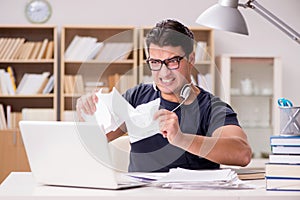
[283, 169]
[20, 48]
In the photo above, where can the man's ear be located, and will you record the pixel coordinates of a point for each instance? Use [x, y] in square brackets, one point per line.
[191, 58]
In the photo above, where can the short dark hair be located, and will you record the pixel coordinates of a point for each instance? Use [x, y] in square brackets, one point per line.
[170, 32]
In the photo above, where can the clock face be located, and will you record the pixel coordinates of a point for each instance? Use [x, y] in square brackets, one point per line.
[38, 11]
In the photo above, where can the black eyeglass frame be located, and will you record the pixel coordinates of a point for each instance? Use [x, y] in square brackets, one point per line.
[165, 62]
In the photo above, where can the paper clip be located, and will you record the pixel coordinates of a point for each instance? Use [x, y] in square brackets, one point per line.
[283, 102]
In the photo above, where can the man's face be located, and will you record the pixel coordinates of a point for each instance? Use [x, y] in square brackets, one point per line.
[171, 81]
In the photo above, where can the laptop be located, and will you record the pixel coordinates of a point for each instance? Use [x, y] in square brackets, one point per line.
[71, 154]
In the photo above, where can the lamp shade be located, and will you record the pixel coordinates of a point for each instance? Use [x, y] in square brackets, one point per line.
[224, 18]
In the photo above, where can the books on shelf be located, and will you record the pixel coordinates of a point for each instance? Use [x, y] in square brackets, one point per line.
[19, 48]
[91, 86]
[16, 117]
[83, 48]
[73, 84]
[9, 120]
[50, 50]
[200, 51]
[113, 51]
[49, 86]
[3, 123]
[121, 82]
[43, 49]
[36, 50]
[32, 83]
[7, 86]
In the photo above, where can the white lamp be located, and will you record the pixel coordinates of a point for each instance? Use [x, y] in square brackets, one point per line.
[226, 16]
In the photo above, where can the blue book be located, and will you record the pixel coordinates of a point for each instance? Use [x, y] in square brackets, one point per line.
[284, 140]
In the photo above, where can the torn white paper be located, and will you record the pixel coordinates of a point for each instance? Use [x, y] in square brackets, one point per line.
[113, 110]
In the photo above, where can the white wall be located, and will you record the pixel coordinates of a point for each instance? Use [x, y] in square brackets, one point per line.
[264, 38]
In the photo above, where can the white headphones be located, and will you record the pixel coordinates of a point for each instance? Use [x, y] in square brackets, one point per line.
[184, 93]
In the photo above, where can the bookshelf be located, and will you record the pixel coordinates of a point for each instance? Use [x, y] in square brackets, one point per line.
[24, 49]
[204, 69]
[93, 57]
[251, 85]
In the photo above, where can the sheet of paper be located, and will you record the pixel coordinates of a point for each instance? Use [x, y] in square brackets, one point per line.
[104, 112]
[113, 110]
[179, 178]
[185, 175]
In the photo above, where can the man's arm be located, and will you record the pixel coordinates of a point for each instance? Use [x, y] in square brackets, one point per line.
[228, 144]
[117, 133]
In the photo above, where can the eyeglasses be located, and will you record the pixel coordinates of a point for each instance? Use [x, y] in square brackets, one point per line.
[170, 63]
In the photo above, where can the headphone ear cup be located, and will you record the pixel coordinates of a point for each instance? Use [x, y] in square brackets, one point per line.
[185, 91]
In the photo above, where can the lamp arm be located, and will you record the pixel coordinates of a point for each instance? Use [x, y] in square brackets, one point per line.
[253, 4]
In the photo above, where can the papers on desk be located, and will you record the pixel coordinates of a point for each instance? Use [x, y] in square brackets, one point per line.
[194, 179]
[112, 110]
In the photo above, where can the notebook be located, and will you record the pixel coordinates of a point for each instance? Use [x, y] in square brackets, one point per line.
[71, 154]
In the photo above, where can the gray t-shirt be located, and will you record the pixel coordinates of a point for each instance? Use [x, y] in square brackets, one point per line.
[202, 117]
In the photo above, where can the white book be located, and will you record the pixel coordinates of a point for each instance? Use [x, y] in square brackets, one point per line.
[88, 46]
[112, 51]
[125, 49]
[31, 83]
[8, 83]
[3, 82]
[286, 149]
[50, 85]
[8, 116]
[284, 159]
[71, 47]
[95, 51]
[2, 118]
[200, 51]
[78, 50]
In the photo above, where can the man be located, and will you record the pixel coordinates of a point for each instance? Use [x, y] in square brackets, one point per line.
[197, 129]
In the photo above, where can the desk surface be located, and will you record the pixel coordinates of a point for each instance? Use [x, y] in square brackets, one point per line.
[21, 184]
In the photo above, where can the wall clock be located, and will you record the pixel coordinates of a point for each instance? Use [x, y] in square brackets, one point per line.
[38, 11]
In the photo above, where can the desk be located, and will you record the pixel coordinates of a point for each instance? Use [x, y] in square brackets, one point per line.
[21, 185]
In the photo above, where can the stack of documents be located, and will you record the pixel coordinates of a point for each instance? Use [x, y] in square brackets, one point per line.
[179, 178]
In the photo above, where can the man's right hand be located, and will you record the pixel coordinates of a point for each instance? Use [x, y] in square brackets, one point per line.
[86, 104]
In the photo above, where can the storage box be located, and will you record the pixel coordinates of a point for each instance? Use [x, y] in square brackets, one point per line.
[289, 120]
